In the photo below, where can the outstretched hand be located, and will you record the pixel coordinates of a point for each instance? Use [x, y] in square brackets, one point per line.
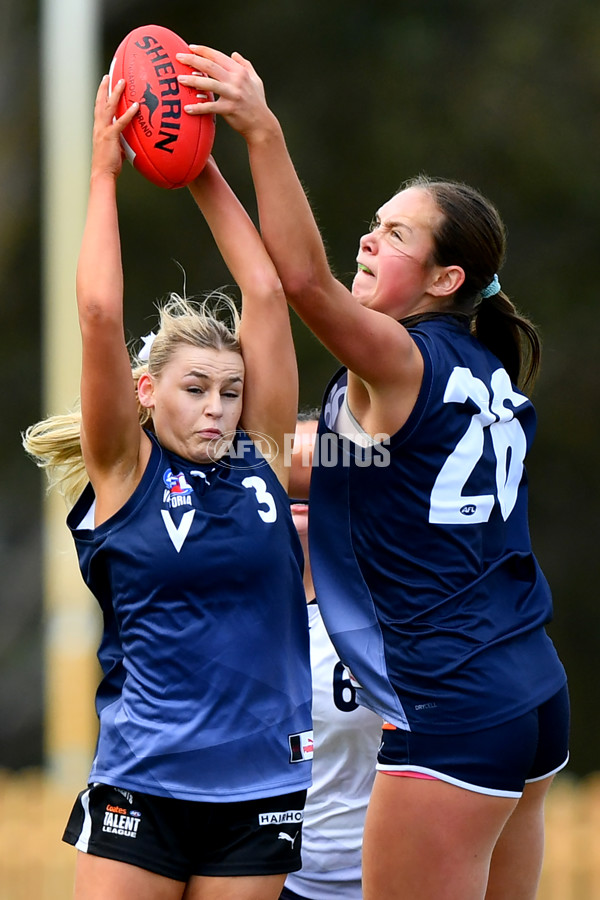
[107, 151]
[240, 95]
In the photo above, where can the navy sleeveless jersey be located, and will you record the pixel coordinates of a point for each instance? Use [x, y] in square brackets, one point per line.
[421, 553]
[206, 692]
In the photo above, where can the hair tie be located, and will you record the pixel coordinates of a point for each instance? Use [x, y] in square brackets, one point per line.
[144, 353]
[492, 288]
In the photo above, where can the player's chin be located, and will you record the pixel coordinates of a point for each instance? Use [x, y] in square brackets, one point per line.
[359, 293]
[212, 449]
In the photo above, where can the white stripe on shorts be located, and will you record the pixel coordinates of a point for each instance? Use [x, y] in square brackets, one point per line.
[86, 829]
[548, 774]
[441, 776]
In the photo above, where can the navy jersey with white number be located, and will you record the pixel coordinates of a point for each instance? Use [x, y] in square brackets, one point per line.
[206, 692]
[421, 552]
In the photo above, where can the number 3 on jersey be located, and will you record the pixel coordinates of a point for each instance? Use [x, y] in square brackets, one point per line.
[263, 497]
[448, 504]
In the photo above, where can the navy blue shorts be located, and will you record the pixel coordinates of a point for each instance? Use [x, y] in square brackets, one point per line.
[181, 838]
[498, 761]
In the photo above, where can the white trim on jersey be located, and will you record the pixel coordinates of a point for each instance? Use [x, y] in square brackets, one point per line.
[347, 426]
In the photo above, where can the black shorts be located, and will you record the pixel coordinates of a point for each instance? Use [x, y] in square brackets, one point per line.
[498, 761]
[181, 838]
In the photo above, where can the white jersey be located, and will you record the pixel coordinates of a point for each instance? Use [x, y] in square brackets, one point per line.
[347, 737]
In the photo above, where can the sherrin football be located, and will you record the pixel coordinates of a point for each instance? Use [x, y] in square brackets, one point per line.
[164, 143]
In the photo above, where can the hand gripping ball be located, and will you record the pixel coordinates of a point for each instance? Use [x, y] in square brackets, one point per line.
[168, 146]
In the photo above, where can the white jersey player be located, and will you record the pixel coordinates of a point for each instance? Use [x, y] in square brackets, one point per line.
[347, 737]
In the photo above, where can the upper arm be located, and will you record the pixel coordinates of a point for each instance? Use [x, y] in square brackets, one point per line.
[110, 430]
[384, 363]
[371, 344]
[271, 375]
[374, 346]
[271, 378]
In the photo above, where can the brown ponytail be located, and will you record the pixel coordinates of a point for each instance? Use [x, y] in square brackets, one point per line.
[471, 234]
[510, 336]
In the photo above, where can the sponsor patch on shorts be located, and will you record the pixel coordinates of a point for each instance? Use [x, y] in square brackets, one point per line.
[117, 820]
[281, 817]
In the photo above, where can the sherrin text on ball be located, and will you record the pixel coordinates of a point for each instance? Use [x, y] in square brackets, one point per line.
[167, 146]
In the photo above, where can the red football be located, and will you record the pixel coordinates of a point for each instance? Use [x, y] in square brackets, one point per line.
[165, 144]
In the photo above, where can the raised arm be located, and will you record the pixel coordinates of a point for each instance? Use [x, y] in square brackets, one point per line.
[271, 377]
[370, 343]
[110, 432]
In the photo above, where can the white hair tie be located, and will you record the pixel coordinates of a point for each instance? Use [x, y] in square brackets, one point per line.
[144, 353]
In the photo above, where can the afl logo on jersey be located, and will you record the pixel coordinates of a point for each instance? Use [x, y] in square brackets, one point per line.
[177, 484]
[468, 509]
[178, 490]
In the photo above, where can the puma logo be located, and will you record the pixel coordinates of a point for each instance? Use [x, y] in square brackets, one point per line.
[282, 836]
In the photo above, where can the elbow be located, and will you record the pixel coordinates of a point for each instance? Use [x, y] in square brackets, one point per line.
[90, 309]
[305, 288]
[95, 316]
[265, 288]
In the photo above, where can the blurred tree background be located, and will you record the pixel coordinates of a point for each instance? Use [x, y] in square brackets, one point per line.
[505, 97]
